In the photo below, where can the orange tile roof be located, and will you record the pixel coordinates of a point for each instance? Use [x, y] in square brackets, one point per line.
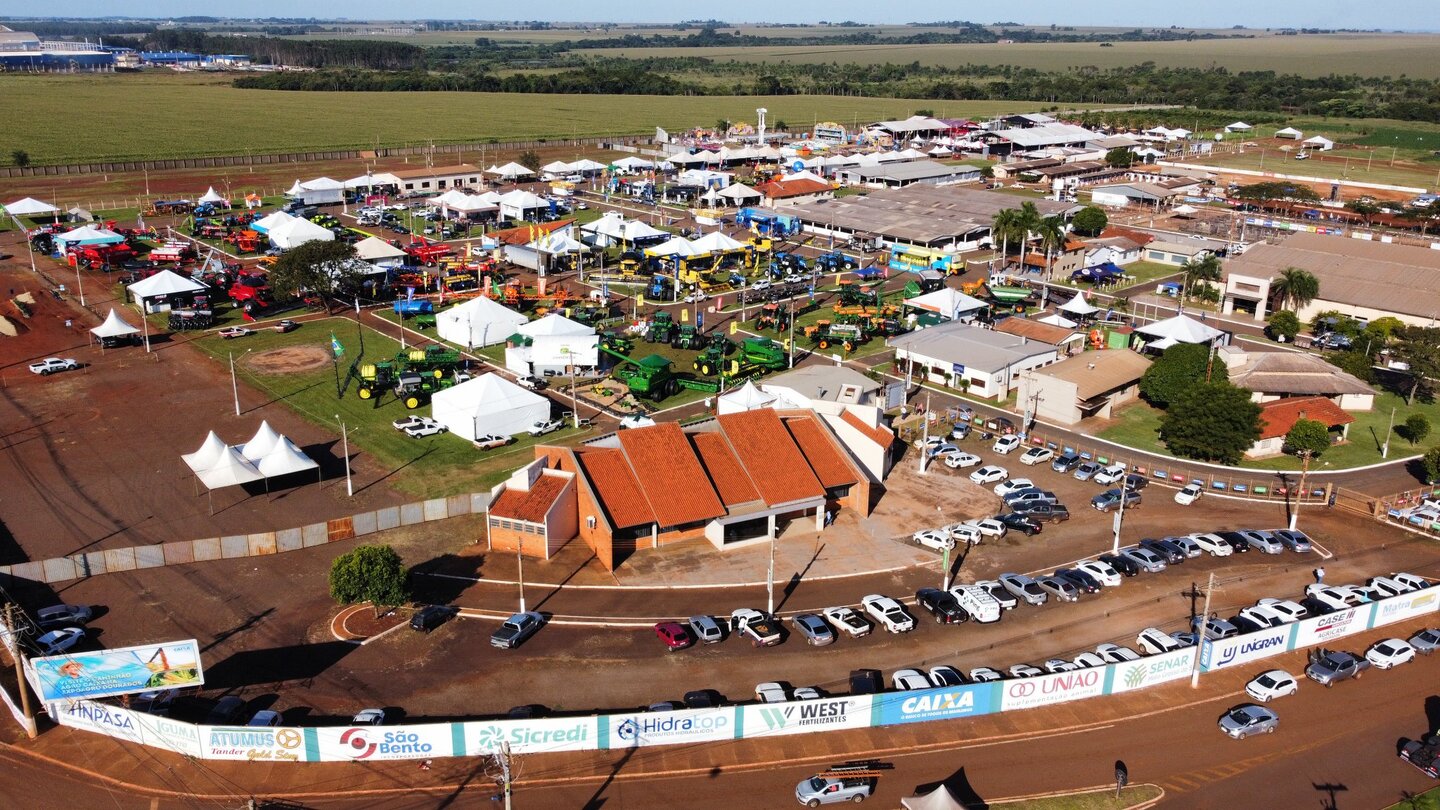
[1138, 237]
[825, 460]
[670, 475]
[781, 189]
[616, 487]
[770, 456]
[1276, 418]
[524, 233]
[1034, 330]
[725, 471]
[882, 436]
[531, 505]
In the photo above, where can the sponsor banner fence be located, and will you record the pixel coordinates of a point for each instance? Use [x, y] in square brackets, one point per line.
[1152, 670]
[805, 716]
[942, 703]
[100, 718]
[1405, 606]
[540, 736]
[1044, 690]
[257, 744]
[121, 671]
[171, 735]
[371, 743]
[1327, 628]
[669, 728]
[1237, 650]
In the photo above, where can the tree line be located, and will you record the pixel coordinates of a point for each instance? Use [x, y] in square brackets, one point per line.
[318, 53]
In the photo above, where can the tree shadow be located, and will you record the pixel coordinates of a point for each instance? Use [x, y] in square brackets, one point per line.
[598, 800]
[441, 580]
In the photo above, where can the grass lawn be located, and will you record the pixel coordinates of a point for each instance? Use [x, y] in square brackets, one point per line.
[429, 467]
[1429, 800]
[1093, 800]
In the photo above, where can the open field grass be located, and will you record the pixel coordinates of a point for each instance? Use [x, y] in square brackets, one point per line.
[1340, 164]
[221, 120]
[1363, 54]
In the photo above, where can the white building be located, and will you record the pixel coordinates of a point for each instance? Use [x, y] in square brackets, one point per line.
[981, 361]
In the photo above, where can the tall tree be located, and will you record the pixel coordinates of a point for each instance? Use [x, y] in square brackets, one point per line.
[1294, 288]
[1051, 233]
[1199, 271]
[1418, 347]
[1212, 421]
[1004, 227]
[323, 268]
[1176, 370]
[1091, 220]
[1120, 157]
[373, 574]
[1307, 436]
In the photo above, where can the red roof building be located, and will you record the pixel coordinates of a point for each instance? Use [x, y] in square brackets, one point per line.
[1279, 416]
[793, 192]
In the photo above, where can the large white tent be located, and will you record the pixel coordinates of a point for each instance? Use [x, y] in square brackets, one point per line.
[317, 191]
[477, 323]
[510, 171]
[89, 235]
[297, 232]
[716, 242]
[516, 204]
[377, 251]
[208, 455]
[284, 458]
[488, 405]
[1179, 329]
[275, 220]
[552, 344]
[30, 207]
[230, 469]
[556, 167]
[948, 303]
[633, 164]
[163, 284]
[1079, 306]
[587, 166]
[373, 180]
[213, 197]
[745, 398]
[938, 799]
[678, 246]
[113, 327]
[740, 194]
[613, 228]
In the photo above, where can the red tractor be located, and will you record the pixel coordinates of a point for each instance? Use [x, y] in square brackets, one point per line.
[426, 252]
[102, 255]
[252, 286]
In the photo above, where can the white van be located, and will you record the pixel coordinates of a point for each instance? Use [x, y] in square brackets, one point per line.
[981, 606]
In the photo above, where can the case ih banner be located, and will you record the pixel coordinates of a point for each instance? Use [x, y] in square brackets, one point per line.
[122, 671]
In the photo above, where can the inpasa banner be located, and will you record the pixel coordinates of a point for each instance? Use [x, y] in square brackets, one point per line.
[1237, 650]
[1044, 690]
[669, 728]
[373, 743]
[1406, 606]
[804, 716]
[943, 703]
[1152, 670]
[122, 671]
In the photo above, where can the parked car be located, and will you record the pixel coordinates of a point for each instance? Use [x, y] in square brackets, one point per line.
[946, 676]
[1036, 455]
[989, 475]
[50, 365]
[942, 605]
[1100, 571]
[1082, 581]
[1425, 641]
[961, 431]
[703, 699]
[1109, 475]
[226, 711]
[1248, 719]
[1338, 597]
[771, 692]
[1044, 512]
[813, 629]
[1088, 660]
[707, 629]
[1169, 552]
[1336, 666]
[938, 539]
[1122, 564]
[985, 675]
[1115, 654]
[491, 441]
[1054, 665]
[1187, 545]
[1293, 539]
[514, 630]
[998, 592]
[977, 603]
[1011, 486]
[990, 527]
[889, 613]
[1145, 559]
[1154, 642]
[1110, 500]
[1024, 671]
[1263, 542]
[674, 635]
[1136, 481]
[1060, 588]
[1019, 522]
[959, 460]
[1066, 462]
[756, 626]
[1389, 653]
[544, 426]
[58, 641]
[63, 616]
[866, 681]
[1423, 754]
[1384, 587]
[1267, 686]
[834, 789]
[1030, 495]
[1087, 470]
[1024, 588]
[944, 448]
[1212, 543]
[424, 426]
[848, 620]
[1006, 445]
[1235, 540]
[431, 616]
[265, 718]
[1188, 494]
[1213, 627]
[1412, 581]
[1292, 611]
[909, 679]
[1262, 616]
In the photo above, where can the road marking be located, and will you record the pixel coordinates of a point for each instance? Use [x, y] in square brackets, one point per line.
[382, 634]
[701, 587]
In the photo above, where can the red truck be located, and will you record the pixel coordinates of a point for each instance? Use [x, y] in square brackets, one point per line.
[426, 252]
[102, 255]
[252, 287]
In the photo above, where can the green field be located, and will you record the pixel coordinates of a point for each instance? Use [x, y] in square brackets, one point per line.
[122, 118]
[1407, 137]
[1362, 54]
[1342, 164]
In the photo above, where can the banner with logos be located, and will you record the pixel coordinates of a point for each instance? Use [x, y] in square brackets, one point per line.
[372, 743]
[538, 736]
[1044, 690]
[257, 744]
[670, 728]
[171, 735]
[942, 703]
[1327, 628]
[100, 718]
[1405, 606]
[805, 716]
[1237, 650]
[1152, 670]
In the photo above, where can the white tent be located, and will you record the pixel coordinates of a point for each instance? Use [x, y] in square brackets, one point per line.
[716, 242]
[739, 194]
[208, 455]
[941, 151]
[745, 398]
[295, 190]
[1055, 319]
[1238, 126]
[1319, 142]
[556, 242]
[613, 227]
[372, 180]
[478, 322]
[515, 204]
[556, 167]
[78, 214]
[488, 405]
[631, 164]
[553, 343]
[275, 220]
[213, 197]
[113, 327]
[938, 799]
[586, 166]
[948, 303]
[1289, 132]
[1079, 306]
[1179, 329]
[30, 207]
[284, 458]
[261, 443]
[323, 184]
[704, 178]
[679, 246]
[162, 284]
[377, 251]
[297, 232]
[90, 235]
[510, 171]
[230, 469]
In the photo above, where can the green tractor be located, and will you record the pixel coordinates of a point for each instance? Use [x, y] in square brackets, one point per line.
[853, 295]
[649, 378]
[375, 379]
[687, 336]
[756, 355]
[617, 343]
[662, 328]
[435, 360]
[415, 389]
[845, 335]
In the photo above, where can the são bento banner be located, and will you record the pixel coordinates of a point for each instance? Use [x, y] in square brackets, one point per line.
[118, 672]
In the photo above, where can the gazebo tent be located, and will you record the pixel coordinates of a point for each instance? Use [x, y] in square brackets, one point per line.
[679, 246]
[377, 251]
[1289, 132]
[716, 242]
[261, 443]
[633, 164]
[516, 204]
[275, 220]
[284, 458]
[230, 469]
[297, 232]
[745, 398]
[213, 197]
[369, 181]
[938, 799]
[89, 235]
[163, 284]
[948, 303]
[510, 171]
[740, 194]
[1079, 306]
[613, 228]
[113, 329]
[556, 242]
[30, 207]
[556, 167]
[586, 166]
[488, 405]
[208, 455]
[317, 191]
[78, 214]
[1055, 319]
[1179, 329]
[477, 323]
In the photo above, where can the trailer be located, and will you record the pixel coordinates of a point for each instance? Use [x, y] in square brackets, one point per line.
[173, 251]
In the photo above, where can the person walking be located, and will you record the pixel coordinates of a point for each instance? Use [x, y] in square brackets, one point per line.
[1319, 576]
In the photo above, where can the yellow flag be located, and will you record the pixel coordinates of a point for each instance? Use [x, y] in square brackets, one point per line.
[684, 316]
[734, 327]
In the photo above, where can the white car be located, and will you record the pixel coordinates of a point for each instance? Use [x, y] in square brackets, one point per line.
[945, 675]
[1011, 486]
[989, 475]
[423, 426]
[938, 539]
[1115, 654]
[1339, 597]
[1036, 455]
[890, 614]
[1059, 665]
[1213, 544]
[985, 675]
[1292, 611]
[1385, 587]
[1154, 642]
[1109, 475]
[1410, 580]
[1006, 445]
[908, 679]
[706, 629]
[964, 533]
[234, 332]
[1025, 671]
[1269, 685]
[50, 365]
[544, 426]
[941, 449]
[990, 527]
[1103, 572]
[1088, 660]
[1389, 653]
[59, 641]
[959, 461]
[770, 692]
[845, 618]
[1188, 494]
[1265, 616]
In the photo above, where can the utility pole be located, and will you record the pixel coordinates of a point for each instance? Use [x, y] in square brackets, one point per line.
[504, 757]
[770, 574]
[520, 567]
[1299, 496]
[1202, 643]
[345, 440]
[925, 434]
[19, 656]
[234, 386]
[1385, 448]
[792, 331]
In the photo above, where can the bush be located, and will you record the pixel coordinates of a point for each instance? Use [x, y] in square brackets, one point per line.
[20, 157]
[1354, 362]
[1417, 427]
[1430, 463]
[1090, 221]
[372, 574]
[1283, 326]
[1212, 421]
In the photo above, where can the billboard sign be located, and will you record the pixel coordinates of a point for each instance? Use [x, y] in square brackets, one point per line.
[374, 743]
[935, 704]
[669, 728]
[1230, 652]
[255, 744]
[530, 736]
[1044, 690]
[1406, 606]
[99, 718]
[1331, 626]
[122, 671]
[1152, 670]
[804, 716]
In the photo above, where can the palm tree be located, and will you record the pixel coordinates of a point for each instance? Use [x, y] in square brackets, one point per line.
[1295, 287]
[1005, 225]
[1051, 232]
[1205, 270]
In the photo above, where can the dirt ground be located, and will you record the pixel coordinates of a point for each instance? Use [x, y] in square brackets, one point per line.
[286, 360]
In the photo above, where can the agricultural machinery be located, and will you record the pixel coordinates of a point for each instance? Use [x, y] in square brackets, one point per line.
[756, 355]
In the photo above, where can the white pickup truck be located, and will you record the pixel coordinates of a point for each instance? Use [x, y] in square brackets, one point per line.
[756, 625]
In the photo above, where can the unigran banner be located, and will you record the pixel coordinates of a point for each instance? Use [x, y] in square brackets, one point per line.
[122, 671]
[1237, 650]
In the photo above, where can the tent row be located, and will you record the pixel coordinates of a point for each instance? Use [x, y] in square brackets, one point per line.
[710, 243]
[268, 454]
[582, 166]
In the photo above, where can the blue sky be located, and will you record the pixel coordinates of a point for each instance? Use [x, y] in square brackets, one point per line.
[1384, 14]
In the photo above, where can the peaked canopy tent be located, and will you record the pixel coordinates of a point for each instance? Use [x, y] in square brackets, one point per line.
[679, 246]
[378, 252]
[717, 242]
[1055, 319]
[213, 197]
[88, 235]
[78, 214]
[556, 167]
[518, 204]
[30, 207]
[739, 194]
[297, 232]
[261, 443]
[166, 285]
[370, 181]
[208, 455]
[634, 164]
[318, 191]
[949, 304]
[488, 405]
[1078, 306]
[587, 166]
[284, 458]
[613, 228]
[938, 799]
[113, 330]
[557, 242]
[477, 323]
[510, 171]
[275, 220]
[745, 398]
[1180, 329]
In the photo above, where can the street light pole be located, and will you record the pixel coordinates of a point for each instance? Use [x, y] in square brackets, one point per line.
[1202, 642]
[234, 386]
[1299, 496]
[520, 567]
[770, 575]
[345, 440]
[1385, 448]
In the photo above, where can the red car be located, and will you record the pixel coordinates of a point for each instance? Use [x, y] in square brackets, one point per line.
[675, 635]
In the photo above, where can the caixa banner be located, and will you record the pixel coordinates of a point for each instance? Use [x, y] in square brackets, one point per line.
[1237, 650]
[1043, 690]
[935, 704]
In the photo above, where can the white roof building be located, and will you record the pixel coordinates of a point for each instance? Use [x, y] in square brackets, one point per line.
[477, 323]
[488, 405]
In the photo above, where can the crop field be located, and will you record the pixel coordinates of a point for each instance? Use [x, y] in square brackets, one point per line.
[1340, 164]
[122, 118]
[1425, 140]
[1366, 55]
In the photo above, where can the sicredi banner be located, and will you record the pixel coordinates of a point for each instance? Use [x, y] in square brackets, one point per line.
[804, 716]
[669, 728]
[1237, 650]
[1322, 629]
[1406, 606]
[1152, 670]
[530, 736]
[1044, 690]
[255, 744]
[122, 671]
[935, 704]
[372, 743]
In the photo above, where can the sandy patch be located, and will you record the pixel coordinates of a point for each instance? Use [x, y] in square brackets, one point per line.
[287, 360]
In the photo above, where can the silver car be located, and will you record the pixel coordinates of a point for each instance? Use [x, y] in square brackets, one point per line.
[1147, 560]
[1059, 588]
[1024, 588]
[1426, 641]
[707, 629]
[1247, 719]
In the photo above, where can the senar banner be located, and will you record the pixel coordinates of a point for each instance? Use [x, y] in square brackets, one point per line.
[804, 716]
[1152, 670]
[122, 671]
[1043, 690]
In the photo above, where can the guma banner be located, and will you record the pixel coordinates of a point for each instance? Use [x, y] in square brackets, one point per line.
[1044, 690]
[122, 671]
